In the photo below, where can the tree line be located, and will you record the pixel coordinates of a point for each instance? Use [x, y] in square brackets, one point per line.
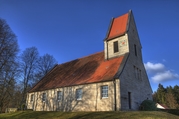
[168, 96]
[19, 71]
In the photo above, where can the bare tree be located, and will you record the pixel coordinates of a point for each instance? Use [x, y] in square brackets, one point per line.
[17, 96]
[8, 63]
[45, 64]
[29, 60]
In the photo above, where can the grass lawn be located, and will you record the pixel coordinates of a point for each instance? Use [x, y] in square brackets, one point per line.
[89, 115]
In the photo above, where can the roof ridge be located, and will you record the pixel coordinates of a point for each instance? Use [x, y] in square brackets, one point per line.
[91, 55]
[121, 15]
[81, 57]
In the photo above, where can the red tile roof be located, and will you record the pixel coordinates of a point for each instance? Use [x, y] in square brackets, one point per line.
[118, 26]
[85, 70]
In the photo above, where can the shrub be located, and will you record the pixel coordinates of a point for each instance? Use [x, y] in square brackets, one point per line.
[148, 105]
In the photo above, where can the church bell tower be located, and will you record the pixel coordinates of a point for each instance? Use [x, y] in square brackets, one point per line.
[122, 37]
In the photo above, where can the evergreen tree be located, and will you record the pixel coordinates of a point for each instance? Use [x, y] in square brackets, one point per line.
[161, 91]
[176, 93]
[168, 96]
[170, 101]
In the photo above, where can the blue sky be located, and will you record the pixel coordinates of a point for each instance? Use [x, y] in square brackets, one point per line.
[70, 29]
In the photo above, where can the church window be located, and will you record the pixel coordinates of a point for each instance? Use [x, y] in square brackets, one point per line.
[137, 72]
[135, 49]
[104, 91]
[79, 94]
[32, 97]
[115, 45]
[59, 95]
[129, 99]
[43, 97]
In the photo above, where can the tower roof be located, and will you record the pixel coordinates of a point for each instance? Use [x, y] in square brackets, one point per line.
[118, 26]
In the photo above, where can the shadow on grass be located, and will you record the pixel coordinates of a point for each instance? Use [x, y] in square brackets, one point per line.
[88, 115]
[42, 115]
[171, 111]
[99, 115]
[27, 115]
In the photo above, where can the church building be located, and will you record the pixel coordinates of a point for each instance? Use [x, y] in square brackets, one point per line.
[112, 80]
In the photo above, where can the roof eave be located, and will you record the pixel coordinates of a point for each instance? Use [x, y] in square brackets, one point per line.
[43, 77]
[108, 39]
[111, 79]
[109, 28]
[128, 21]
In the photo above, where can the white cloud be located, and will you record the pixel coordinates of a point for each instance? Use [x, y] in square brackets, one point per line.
[159, 72]
[151, 67]
[164, 76]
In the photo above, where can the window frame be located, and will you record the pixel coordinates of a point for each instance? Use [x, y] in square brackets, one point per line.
[104, 91]
[59, 95]
[137, 73]
[115, 46]
[44, 96]
[79, 94]
[31, 97]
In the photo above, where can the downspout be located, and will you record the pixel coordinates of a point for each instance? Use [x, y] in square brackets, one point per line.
[115, 105]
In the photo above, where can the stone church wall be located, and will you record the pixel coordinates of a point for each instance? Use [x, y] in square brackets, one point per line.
[91, 99]
[134, 79]
[109, 50]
